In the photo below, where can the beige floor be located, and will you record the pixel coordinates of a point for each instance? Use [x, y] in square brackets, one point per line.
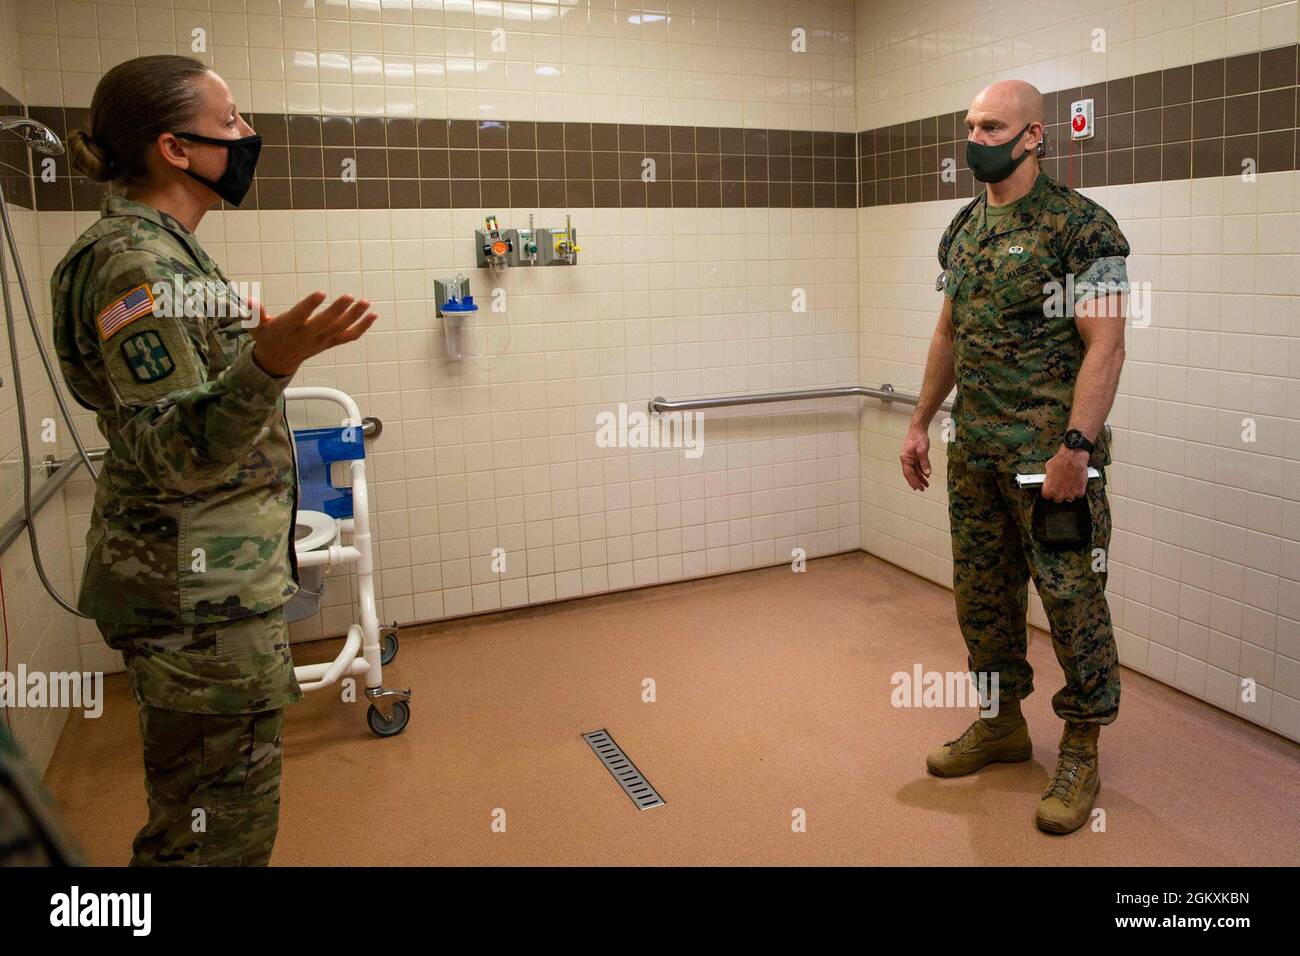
[773, 693]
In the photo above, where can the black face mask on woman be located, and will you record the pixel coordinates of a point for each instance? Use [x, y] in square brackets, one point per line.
[992, 164]
[242, 160]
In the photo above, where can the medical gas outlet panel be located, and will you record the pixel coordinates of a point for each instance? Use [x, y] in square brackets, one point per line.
[495, 247]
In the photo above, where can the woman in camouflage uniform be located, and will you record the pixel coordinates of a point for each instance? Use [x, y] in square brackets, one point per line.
[189, 556]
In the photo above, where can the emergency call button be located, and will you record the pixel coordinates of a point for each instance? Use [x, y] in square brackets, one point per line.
[1081, 120]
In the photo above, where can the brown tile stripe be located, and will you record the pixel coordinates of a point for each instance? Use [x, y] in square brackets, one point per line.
[441, 164]
[15, 177]
[1188, 122]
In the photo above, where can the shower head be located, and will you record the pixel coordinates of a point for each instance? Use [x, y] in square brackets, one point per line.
[37, 137]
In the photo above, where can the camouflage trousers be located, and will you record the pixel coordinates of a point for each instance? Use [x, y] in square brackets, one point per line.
[211, 703]
[213, 782]
[994, 553]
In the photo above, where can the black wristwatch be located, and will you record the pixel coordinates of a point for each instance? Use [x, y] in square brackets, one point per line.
[1074, 440]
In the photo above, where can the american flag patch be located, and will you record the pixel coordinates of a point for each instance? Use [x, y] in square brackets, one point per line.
[124, 310]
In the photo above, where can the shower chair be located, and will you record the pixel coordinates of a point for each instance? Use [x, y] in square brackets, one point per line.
[326, 513]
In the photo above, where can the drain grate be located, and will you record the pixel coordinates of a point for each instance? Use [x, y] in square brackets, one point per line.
[634, 784]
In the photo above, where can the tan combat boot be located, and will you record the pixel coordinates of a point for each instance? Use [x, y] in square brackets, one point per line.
[1000, 739]
[1068, 799]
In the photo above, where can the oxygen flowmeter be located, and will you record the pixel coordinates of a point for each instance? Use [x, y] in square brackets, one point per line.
[494, 248]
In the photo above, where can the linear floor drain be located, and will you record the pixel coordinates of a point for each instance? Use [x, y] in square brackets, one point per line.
[634, 784]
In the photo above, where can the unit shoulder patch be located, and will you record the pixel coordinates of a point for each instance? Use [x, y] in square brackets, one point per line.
[147, 357]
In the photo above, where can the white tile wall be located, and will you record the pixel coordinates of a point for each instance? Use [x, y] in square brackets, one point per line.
[920, 59]
[705, 62]
[11, 75]
[499, 450]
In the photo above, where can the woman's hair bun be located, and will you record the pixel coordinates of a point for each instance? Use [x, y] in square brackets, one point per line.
[88, 157]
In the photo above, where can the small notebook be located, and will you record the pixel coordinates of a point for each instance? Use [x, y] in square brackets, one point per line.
[1030, 481]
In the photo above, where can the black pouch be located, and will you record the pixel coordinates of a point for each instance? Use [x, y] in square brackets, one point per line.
[1062, 525]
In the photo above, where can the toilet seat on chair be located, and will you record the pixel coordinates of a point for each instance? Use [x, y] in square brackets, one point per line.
[320, 530]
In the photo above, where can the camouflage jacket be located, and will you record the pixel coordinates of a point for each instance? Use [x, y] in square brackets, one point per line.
[197, 493]
[1016, 348]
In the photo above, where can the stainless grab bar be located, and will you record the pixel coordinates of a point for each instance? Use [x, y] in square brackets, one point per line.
[60, 471]
[885, 393]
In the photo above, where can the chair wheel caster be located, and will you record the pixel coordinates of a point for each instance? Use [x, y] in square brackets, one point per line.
[387, 648]
[382, 727]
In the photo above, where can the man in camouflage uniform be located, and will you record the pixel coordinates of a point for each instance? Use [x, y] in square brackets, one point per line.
[189, 557]
[1032, 336]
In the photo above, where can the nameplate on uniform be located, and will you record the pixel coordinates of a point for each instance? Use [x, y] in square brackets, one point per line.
[124, 310]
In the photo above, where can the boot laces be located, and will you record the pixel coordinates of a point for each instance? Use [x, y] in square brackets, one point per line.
[1066, 778]
[970, 736]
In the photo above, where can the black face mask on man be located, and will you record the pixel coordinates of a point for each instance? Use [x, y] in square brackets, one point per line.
[242, 153]
[992, 164]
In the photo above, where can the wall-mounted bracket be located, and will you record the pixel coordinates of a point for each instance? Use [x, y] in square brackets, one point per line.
[454, 292]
